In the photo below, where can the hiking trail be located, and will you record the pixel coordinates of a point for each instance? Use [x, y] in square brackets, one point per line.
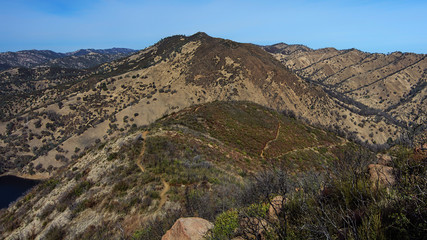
[272, 140]
[166, 186]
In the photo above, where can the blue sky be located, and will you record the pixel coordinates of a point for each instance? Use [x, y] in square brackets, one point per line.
[68, 25]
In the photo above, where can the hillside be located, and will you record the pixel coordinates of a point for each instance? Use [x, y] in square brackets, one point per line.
[227, 162]
[393, 85]
[202, 155]
[51, 127]
[18, 81]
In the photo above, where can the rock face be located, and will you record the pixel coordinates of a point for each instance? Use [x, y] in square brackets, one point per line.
[192, 228]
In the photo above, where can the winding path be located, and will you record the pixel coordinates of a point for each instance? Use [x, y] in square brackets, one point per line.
[163, 197]
[166, 185]
[272, 140]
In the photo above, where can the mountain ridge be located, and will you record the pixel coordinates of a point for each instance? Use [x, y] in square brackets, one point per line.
[53, 125]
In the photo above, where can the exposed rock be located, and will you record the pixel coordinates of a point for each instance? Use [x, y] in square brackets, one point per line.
[254, 228]
[384, 159]
[188, 229]
[381, 175]
[276, 207]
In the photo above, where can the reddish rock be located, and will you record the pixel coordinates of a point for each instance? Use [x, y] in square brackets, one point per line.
[192, 228]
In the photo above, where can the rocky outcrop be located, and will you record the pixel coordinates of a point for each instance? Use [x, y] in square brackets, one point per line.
[384, 159]
[192, 228]
[276, 206]
[381, 175]
[255, 228]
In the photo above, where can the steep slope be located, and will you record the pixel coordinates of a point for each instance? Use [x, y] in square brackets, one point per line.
[393, 84]
[203, 153]
[48, 129]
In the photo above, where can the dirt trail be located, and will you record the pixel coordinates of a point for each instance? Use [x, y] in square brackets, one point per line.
[163, 197]
[314, 148]
[166, 185]
[272, 140]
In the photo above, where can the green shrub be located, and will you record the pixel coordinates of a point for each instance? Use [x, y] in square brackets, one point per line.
[54, 233]
[112, 156]
[225, 225]
[154, 194]
[81, 188]
[258, 210]
[121, 186]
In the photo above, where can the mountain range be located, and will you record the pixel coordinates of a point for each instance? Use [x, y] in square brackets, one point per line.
[80, 59]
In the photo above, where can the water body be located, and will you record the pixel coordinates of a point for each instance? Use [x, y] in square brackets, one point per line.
[11, 188]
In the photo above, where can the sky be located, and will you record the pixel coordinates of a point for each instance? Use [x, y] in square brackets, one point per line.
[67, 25]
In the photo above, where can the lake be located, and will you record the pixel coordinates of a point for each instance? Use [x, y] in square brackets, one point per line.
[11, 188]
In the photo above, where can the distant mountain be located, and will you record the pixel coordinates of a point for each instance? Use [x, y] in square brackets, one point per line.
[84, 59]
[110, 51]
[81, 59]
[27, 58]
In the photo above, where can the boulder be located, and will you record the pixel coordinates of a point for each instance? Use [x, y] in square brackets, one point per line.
[192, 228]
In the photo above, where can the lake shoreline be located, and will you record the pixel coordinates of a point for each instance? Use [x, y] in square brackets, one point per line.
[13, 188]
[37, 176]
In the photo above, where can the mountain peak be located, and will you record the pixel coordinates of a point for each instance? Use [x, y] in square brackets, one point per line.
[200, 35]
